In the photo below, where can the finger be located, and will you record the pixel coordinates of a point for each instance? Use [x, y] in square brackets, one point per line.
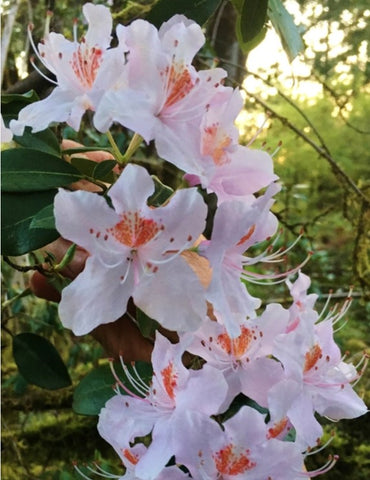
[122, 338]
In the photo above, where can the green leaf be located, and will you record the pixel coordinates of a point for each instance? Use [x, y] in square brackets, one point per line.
[147, 325]
[248, 46]
[161, 193]
[70, 151]
[252, 18]
[83, 165]
[94, 390]
[44, 218]
[238, 402]
[39, 362]
[44, 141]
[103, 170]
[285, 27]
[13, 102]
[17, 213]
[26, 170]
[197, 10]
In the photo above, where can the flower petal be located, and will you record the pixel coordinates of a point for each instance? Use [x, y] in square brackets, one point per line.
[173, 296]
[87, 302]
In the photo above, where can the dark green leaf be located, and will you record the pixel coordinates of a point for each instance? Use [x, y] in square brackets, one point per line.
[70, 151]
[12, 103]
[39, 362]
[26, 170]
[103, 170]
[197, 10]
[287, 30]
[147, 325]
[253, 18]
[83, 165]
[248, 46]
[240, 401]
[44, 218]
[44, 141]
[161, 193]
[94, 390]
[17, 213]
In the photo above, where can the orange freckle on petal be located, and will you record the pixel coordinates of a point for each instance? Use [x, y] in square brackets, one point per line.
[169, 378]
[215, 143]
[247, 236]
[236, 346]
[229, 462]
[179, 84]
[130, 456]
[311, 357]
[85, 64]
[135, 231]
[277, 428]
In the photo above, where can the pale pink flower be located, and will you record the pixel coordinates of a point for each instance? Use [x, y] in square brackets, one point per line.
[302, 308]
[173, 94]
[177, 401]
[223, 166]
[243, 452]
[134, 250]
[84, 71]
[237, 226]
[244, 360]
[130, 457]
[317, 380]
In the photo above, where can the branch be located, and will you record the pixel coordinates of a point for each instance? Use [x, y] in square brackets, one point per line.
[340, 106]
[320, 150]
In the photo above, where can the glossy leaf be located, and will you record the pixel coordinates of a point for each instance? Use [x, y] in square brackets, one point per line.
[26, 170]
[287, 30]
[198, 10]
[39, 362]
[94, 390]
[17, 213]
[44, 141]
[103, 170]
[161, 193]
[44, 218]
[11, 103]
[147, 325]
[252, 18]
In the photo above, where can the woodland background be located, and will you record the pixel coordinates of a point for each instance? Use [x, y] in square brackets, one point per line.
[316, 110]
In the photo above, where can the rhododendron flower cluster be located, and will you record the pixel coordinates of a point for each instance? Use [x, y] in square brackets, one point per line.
[247, 405]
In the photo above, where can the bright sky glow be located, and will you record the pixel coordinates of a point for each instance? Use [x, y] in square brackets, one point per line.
[294, 78]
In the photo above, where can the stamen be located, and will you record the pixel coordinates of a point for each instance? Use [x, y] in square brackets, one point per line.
[260, 129]
[49, 14]
[40, 72]
[137, 383]
[81, 473]
[75, 25]
[99, 471]
[322, 447]
[324, 469]
[121, 384]
[276, 149]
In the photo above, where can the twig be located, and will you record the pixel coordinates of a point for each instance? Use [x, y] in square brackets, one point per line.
[320, 150]
[27, 268]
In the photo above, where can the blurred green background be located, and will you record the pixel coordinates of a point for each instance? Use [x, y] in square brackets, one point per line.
[315, 114]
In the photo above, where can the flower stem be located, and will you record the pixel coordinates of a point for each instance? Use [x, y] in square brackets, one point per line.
[118, 155]
[133, 146]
